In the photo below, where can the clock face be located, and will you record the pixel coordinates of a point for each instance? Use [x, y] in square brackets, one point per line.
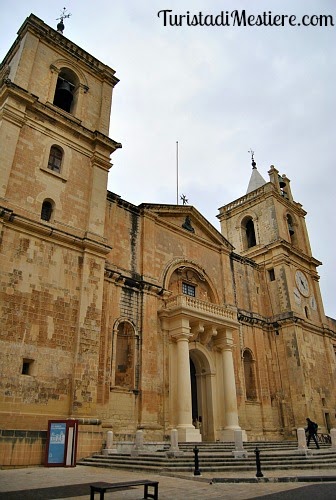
[297, 296]
[302, 283]
[313, 304]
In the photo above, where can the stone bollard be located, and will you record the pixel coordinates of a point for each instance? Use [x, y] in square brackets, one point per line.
[174, 450]
[333, 438]
[139, 443]
[109, 439]
[109, 449]
[239, 451]
[302, 442]
[174, 440]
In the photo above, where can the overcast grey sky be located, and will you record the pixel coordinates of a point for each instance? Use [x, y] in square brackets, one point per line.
[218, 91]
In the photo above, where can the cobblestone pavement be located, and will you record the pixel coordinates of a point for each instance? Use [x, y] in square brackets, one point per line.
[16, 484]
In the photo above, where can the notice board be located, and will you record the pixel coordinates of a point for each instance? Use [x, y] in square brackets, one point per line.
[61, 445]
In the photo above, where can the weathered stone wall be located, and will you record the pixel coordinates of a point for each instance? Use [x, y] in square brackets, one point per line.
[39, 301]
[28, 447]
[21, 448]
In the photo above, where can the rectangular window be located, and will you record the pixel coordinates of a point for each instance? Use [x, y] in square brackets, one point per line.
[27, 365]
[188, 289]
[271, 274]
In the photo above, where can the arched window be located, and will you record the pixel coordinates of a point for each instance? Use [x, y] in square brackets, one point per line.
[66, 88]
[47, 210]
[55, 159]
[249, 238]
[125, 356]
[249, 373]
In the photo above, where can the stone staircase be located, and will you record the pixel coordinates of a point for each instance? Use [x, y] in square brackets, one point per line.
[218, 457]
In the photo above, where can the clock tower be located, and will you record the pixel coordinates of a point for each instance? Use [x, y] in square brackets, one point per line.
[268, 226]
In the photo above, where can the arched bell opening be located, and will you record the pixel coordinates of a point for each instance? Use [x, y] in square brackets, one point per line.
[66, 90]
[248, 233]
[291, 229]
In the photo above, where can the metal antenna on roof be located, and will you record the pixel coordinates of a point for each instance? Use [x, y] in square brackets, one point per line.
[254, 165]
[177, 174]
[60, 26]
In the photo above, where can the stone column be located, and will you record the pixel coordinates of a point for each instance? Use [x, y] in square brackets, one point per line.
[184, 415]
[333, 438]
[186, 431]
[225, 343]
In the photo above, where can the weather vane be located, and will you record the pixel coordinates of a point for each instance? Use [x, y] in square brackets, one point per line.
[184, 199]
[254, 165]
[60, 26]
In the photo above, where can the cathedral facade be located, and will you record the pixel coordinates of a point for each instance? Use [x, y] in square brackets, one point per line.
[146, 317]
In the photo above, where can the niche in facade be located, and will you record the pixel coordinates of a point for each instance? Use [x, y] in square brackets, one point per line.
[47, 210]
[249, 373]
[125, 356]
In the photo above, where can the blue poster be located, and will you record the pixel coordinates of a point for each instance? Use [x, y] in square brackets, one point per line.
[57, 443]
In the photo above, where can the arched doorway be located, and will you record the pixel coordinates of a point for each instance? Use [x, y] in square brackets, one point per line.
[194, 400]
[202, 394]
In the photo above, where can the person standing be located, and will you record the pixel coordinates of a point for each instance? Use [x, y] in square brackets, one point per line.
[311, 430]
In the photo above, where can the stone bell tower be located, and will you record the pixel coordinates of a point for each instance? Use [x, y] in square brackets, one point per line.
[268, 226]
[55, 152]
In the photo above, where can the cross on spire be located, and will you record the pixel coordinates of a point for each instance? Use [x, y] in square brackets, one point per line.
[254, 165]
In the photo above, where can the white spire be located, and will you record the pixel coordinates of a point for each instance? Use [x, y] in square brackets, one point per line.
[256, 180]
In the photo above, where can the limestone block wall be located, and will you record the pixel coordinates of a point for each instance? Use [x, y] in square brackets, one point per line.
[39, 303]
[22, 448]
[50, 305]
[31, 182]
[309, 362]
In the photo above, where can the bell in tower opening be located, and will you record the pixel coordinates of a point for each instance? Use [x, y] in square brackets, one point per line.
[64, 94]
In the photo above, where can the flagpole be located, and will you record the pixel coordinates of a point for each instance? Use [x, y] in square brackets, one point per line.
[177, 175]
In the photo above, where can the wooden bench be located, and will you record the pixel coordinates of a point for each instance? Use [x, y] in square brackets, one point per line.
[103, 487]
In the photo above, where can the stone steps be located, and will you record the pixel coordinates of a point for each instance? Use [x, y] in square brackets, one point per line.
[233, 467]
[218, 458]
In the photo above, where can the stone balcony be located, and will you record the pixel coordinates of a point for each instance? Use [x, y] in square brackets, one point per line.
[203, 316]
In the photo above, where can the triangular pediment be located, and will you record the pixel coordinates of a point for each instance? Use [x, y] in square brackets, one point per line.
[187, 220]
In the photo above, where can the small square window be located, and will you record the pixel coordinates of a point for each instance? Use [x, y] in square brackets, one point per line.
[27, 365]
[271, 274]
[189, 289]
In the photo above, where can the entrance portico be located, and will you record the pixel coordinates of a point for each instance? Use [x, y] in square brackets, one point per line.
[205, 330]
